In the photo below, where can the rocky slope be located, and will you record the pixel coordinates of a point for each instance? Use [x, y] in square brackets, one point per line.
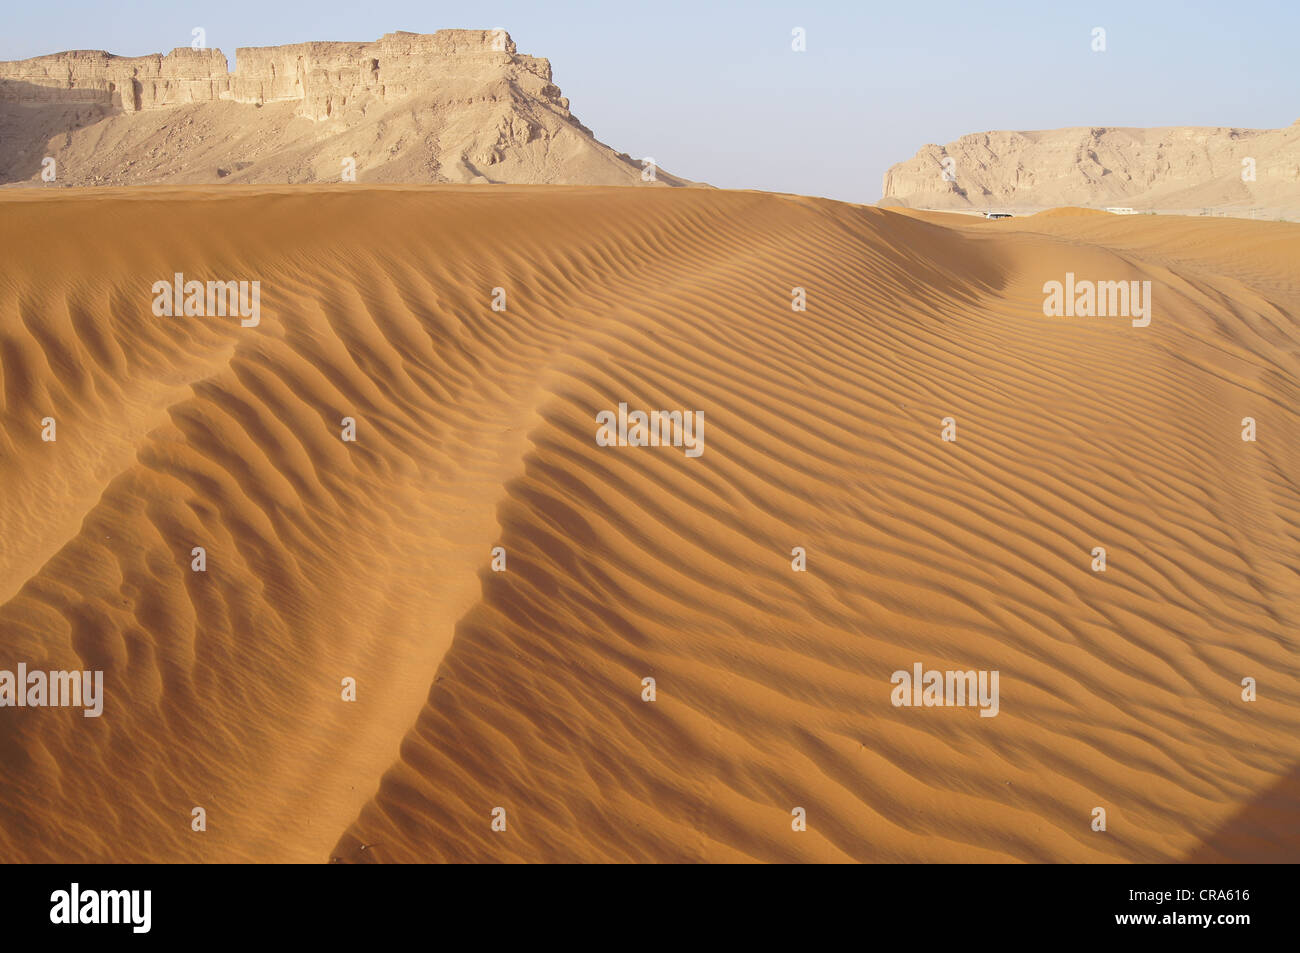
[451, 106]
[1172, 168]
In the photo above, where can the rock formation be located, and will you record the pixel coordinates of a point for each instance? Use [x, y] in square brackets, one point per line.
[131, 83]
[1180, 168]
[456, 105]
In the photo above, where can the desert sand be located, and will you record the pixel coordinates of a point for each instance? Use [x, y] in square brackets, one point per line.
[522, 689]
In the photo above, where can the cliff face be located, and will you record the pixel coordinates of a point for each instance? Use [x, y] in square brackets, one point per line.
[451, 106]
[131, 83]
[320, 76]
[1173, 168]
[327, 77]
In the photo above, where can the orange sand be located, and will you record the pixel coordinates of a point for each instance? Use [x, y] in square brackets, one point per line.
[475, 429]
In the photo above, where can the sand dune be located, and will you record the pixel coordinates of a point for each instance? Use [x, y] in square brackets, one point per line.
[475, 428]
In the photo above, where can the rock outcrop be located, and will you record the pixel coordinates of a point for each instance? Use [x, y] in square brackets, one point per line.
[1180, 168]
[451, 106]
[131, 83]
[320, 76]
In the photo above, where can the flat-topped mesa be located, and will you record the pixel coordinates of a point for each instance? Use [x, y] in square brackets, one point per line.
[131, 83]
[1168, 167]
[324, 77]
[443, 42]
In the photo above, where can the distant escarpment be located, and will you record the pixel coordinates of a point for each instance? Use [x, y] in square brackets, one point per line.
[1177, 168]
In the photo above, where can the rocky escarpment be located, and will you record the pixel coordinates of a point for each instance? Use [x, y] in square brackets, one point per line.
[450, 106]
[322, 77]
[130, 83]
[325, 78]
[1173, 168]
